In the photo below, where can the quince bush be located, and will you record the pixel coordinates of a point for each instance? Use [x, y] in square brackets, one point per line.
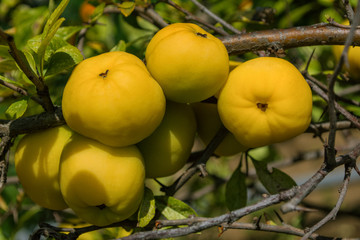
[129, 120]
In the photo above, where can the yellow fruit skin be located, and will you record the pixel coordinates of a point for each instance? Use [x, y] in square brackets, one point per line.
[353, 58]
[208, 123]
[271, 81]
[37, 159]
[102, 184]
[112, 98]
[190, 67]
[167, 150]
[93, 235]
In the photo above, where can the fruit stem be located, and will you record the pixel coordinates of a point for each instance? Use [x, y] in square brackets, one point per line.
[104, 74]
[262, 106]
[204, 35]
[101, 207]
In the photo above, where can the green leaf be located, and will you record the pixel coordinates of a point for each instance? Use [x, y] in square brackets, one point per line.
[121, 46]
[28, 22]
[46, 40]
[63, 59]
[54, 17]
[67, 32]
[55, 44]
[51, 27]
[17, 109]
[236, 191]
[126, 8]
[172, 208]
[274, 181]
[30, 61]
[98, 12]
[11, 81]
[7, 65]
[147, 208]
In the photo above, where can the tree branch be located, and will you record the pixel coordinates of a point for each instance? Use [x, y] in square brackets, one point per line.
[209, 150]
[41, 87]
[353, 119]
[317, 34]
[332, 214]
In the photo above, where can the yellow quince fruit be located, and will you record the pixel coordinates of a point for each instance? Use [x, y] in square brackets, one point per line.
[209, 123]
[100, 183]
[167, 150]
[112, 98]
[189, 63]
[353, 58]
[37, 159]
[265, 100]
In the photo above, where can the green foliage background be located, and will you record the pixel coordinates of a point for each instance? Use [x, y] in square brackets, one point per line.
[25, 20]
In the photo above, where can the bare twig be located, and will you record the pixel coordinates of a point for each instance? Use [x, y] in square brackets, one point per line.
[4, 162]
[353, 119]
[215, 17]
[330, 148]
[151, 15]
[318, 34]
[191, 17]
[348, 9]
[306, 188]
[20, 90]
[332, 214]
[171, 190]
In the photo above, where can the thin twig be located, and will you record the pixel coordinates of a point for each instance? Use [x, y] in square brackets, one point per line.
[191, 17]
[152, 16]
[332, 214]
[306, 188]
[353, 119]
[330, 149]
[348, 9]
[171, 190]
[215, 17]
[20, 90]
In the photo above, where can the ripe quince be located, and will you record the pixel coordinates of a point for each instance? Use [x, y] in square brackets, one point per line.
[167, 150]
[189, 63]
[37, 159]
[101, 184]
[208, 123]
[265, 100]
[112, 98]
[353, 58]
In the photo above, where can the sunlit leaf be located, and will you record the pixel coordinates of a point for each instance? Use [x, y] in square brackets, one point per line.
[67, 32]
[147, 208]
[17, 109]
[63, 59]
[121, 46]
[172, 208]
[126, 8]
[52, 22]
[11, 81]
[7, 65]
[98, 12]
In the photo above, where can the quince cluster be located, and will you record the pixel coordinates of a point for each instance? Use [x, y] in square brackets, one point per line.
[127, 121]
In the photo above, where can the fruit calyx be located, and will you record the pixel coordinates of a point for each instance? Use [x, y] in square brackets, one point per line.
[104, 74]
[262, 106]
[204, 35]
[101, 206]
